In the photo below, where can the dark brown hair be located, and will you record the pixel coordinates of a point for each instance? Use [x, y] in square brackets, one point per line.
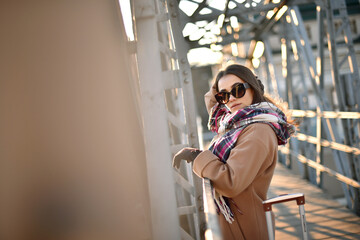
[256, 85]
[248, 76]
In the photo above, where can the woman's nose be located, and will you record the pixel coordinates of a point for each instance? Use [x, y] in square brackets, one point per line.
[232, 98]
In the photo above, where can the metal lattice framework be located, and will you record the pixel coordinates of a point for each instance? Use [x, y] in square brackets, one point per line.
[303, 86]
[328, 104]
[166, 88]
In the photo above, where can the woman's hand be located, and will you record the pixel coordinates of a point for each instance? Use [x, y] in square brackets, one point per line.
[188, 154]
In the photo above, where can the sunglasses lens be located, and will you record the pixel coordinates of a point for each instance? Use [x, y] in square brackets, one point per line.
[222, 97]
[238, 90]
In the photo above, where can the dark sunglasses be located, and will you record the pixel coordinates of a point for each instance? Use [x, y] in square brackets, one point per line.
[238, 91]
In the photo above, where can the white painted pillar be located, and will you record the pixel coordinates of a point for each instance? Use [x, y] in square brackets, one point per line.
[165, 223]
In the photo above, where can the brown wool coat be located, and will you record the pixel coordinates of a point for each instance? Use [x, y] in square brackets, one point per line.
[245, 178]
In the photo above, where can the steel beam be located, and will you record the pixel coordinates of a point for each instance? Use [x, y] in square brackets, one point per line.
[164, 216]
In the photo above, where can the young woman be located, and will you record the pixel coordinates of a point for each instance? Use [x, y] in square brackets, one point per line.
[242, 156]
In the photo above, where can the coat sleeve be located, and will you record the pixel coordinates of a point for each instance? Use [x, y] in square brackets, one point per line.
[255, 147]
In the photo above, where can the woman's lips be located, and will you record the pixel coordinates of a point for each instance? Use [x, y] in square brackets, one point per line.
[236, 105]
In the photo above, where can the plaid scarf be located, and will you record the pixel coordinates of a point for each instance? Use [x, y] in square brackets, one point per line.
[230, 125]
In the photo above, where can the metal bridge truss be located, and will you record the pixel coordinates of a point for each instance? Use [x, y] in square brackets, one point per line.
[339, 133]
[169, 120]
[169, 113]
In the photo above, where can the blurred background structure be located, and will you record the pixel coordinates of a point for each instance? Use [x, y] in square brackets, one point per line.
[97, 96]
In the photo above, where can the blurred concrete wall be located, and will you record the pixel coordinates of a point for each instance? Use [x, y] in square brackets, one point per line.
[72, 160]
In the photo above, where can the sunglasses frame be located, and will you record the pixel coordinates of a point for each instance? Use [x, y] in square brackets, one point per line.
[232, 92]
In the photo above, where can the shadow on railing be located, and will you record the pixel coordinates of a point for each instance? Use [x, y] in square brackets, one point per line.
[212, 231]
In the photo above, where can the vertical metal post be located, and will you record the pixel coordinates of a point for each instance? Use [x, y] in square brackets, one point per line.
[271, 232]
[163, 57]
[289, 67]
[272, 79]
[189, 108]
[320, 79]
[303, 222]
[164, 218]
[318, 147]
[288, 71]
[320, 46]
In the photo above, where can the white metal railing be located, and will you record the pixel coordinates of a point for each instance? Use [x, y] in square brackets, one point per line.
[212, 231]
[321, 167]
[324, 143]
[325, 114]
